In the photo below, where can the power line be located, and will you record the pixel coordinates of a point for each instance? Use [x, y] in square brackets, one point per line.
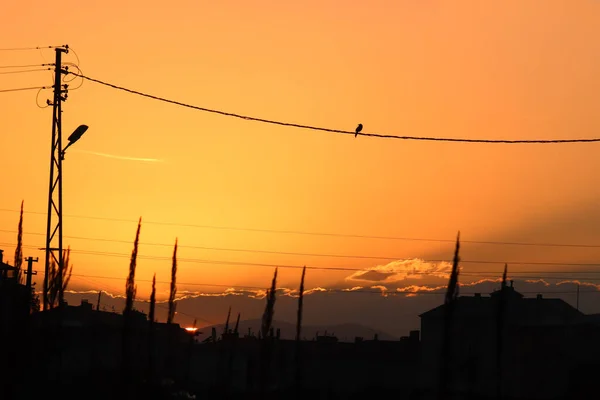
[26, 66]
[325, 255]
[71, 80]
[166, 282]
[263, 288]
[217, 248]
[27, 88]
[24, 71]
[76, 56]
[275, 265]
[37, 103]
[471, 274]
[30, 48]
[330, 130]
[388, 291]
[297, 232]
[201, 261]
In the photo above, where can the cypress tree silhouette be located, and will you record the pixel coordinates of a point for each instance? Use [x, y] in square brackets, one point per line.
[151, 314]
[130, 292]
[300, 302]
[267, 317]
[151, 319]
[228, 345]
[173, 290]
[447, 340]
[130, 287]
[237, 325]
[19, 249]
[500, 331]
[171, 362]
[266, 340]
[298, 333]
[226, 328]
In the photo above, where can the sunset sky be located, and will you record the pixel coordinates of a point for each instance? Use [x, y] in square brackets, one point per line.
[492, 69]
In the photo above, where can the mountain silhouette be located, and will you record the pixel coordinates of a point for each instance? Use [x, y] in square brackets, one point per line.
[344, 332]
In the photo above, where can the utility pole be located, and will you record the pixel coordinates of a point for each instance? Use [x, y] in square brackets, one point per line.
[578, 297]
[54, 223]
[30, 261]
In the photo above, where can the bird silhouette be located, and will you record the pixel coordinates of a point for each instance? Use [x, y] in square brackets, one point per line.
[358, 129]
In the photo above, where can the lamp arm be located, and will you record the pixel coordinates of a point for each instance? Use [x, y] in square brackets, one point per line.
[62, 153]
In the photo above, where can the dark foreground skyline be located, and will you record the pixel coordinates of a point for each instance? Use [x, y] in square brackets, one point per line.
[394, 315]
[499, 346]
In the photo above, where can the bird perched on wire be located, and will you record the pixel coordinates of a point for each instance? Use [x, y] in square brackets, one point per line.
[358, 129]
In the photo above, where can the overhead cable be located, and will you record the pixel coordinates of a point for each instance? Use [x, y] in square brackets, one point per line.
[331, 130]
[311, 233]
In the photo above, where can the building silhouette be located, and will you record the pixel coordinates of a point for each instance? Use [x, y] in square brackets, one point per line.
[542, 342]
[14, 313]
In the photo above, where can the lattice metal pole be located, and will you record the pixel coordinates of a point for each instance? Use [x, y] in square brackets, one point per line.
[54, 223]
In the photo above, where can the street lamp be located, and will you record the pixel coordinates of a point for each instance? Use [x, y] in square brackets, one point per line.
[75, 136]
[55, 207]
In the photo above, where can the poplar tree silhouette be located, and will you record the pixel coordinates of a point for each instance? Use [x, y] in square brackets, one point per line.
[267, 320]
[500, 332]
[173, 290]
[130, 287]
[151, 314]
[19, 249]
[151, 319]
[447, 340]
[171, 357]
[130, 292]
[298, 333]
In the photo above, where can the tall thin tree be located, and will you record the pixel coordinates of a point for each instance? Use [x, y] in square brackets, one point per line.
[130, 292]
[267, 318]
[226, 328]
[151, 314]
[236, 330]
[298, 333]
[173, 290]
[500, 331]
[130, 287]
[19, 250]
[265, 349]
[447, 339]
[151, 319]
[171, 361]
[300, 303]
[453, 288]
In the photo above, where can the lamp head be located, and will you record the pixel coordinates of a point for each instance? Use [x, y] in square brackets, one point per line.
[77, 133]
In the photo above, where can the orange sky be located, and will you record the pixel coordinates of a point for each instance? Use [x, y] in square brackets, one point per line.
[495, 69]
